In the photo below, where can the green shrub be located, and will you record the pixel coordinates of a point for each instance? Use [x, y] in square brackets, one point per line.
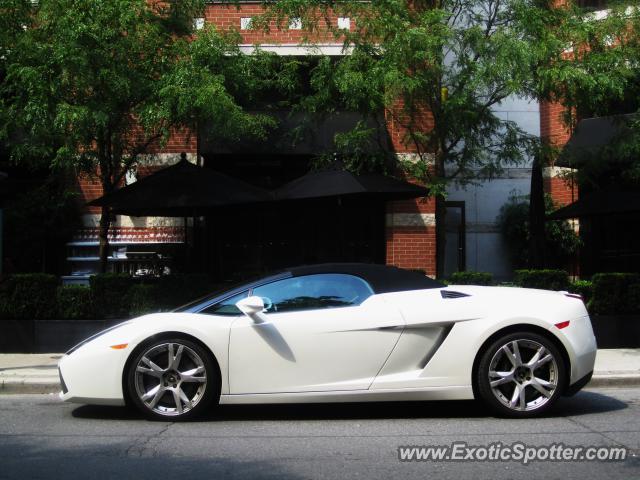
[28, 296]
[109, 295]
[74, 302]
[633, 298]
[472, 278]
[143, 299]
[584, 288]
[612, 293]
[544, 279]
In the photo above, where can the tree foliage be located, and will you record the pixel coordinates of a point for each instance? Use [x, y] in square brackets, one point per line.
[96, 85]
[439, 70]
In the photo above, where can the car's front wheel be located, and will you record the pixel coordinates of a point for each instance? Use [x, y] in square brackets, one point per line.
[521, 374]
[172, 379]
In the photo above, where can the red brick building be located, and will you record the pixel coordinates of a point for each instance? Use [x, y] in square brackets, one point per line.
[398, 233]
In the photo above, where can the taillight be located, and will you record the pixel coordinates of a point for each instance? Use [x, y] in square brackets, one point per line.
[562, 325]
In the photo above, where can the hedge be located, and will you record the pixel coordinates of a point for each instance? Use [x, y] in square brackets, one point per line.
[544, 279]
[143, 299]
[616, 293]
[471, 278]
[584, 288]
[28, 296]
[74, 302]
[109, 294]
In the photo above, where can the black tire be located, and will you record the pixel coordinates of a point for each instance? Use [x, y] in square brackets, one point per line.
[170, 379]
[507, 389]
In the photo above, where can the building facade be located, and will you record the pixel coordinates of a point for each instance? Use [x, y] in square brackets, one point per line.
[400, 233]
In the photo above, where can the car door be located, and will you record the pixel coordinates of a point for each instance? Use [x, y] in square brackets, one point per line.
[322, 332]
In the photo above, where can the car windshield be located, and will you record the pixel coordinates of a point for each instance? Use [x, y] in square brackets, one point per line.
[223, 292]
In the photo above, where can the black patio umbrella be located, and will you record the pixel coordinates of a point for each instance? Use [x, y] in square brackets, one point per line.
[340, 183]
[603, 202]
[182, 190]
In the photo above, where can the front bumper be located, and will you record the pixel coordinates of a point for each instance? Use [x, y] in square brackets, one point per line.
[92, 376]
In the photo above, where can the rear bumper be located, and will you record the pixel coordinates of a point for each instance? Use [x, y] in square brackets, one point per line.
[577, 386]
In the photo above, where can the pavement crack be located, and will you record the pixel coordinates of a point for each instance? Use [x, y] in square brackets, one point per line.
[601, 433]
[148, 443]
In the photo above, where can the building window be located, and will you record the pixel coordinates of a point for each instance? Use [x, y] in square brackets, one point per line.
[295, 23]
[245, 23]
[344, 23]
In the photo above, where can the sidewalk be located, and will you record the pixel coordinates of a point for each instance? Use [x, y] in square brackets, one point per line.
[38, 373]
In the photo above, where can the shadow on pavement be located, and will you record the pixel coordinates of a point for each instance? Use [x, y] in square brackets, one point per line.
[585, 402]
[25, 458]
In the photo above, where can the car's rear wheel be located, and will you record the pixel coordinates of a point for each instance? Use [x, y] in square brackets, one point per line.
[172, 379]
[521, 374]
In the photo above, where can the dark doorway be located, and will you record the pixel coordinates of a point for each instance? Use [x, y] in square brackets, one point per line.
[456, 246]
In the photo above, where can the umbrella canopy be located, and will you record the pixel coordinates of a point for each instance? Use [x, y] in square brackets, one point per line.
[182, 190]
[591, 136]
[337, 183]
[604, 202]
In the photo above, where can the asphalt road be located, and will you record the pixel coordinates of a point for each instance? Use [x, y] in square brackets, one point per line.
[40, 437]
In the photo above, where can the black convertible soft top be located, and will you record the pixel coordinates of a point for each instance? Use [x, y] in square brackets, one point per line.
[382, 278]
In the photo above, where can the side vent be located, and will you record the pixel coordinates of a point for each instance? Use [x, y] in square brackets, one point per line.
[452, 294]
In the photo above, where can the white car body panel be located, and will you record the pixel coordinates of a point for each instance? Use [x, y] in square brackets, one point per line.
[408, 345]
[314, 350]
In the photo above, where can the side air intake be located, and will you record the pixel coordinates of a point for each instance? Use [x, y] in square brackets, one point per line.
[452, 294]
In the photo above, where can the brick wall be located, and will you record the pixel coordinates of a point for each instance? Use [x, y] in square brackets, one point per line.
[552, 128]
[411, 235]
[227, 17]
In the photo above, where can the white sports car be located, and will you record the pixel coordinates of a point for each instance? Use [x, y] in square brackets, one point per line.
[341, 333]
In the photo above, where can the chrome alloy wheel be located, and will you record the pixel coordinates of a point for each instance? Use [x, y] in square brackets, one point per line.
[170, 379]
[523, 375]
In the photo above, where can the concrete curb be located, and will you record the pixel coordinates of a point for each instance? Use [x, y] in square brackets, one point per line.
[614, 380]
[9, 387]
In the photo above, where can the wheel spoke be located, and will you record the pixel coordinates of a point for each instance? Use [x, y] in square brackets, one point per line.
[502, 377]
[174, 361]
[543, 360]
[533, 362]
[542, 386]
[193, 375]
[155, 394]
[515, 397]
[516, 353]
[184, 398]
[149, 371]
[153, 365]
[177, 400]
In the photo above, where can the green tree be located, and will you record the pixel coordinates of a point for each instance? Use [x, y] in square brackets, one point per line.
[96, 85]
[438, 68]
[586, 62]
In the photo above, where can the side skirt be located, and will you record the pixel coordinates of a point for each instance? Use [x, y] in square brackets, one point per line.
[430, 393]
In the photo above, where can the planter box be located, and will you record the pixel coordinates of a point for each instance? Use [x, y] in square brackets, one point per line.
[61, 335]
[617, 331]
[17, 336]
[47, 336]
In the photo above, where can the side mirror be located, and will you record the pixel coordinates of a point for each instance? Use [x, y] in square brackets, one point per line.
[252, 307]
